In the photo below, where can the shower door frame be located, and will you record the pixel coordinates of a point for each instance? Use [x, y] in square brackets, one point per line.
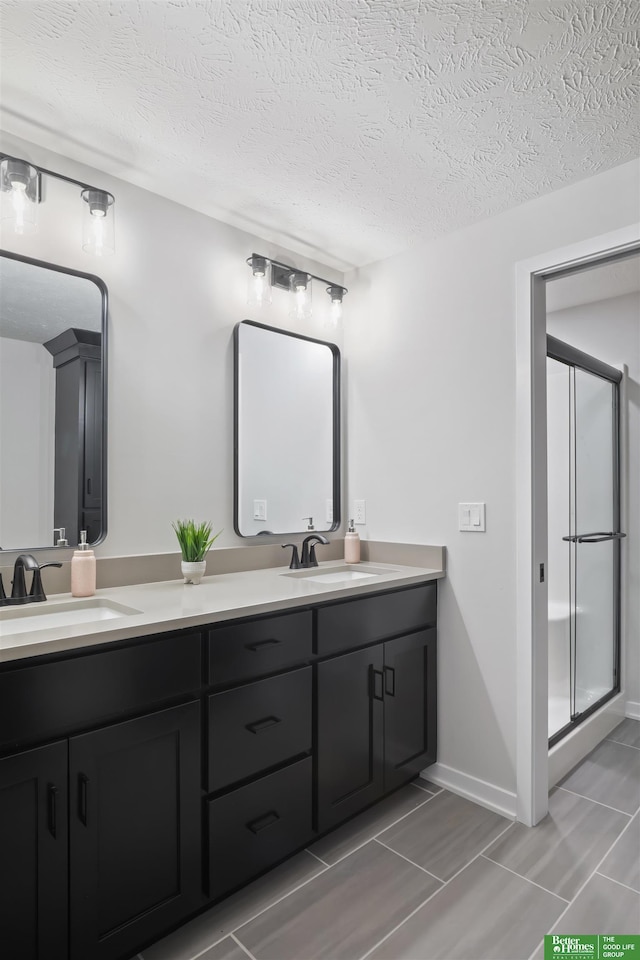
[532, 747]
[577, 359]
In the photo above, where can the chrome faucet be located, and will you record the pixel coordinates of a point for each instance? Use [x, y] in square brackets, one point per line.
[26, 561]
[308, 558]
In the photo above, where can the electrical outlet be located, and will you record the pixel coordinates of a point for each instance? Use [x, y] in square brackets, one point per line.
[359, 511]
[329, 511]
[259, 509]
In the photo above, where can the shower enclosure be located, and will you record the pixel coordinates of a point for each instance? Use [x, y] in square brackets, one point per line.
[583, 425]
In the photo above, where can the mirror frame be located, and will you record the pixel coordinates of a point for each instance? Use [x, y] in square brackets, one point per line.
[104, 297]
[336, 472]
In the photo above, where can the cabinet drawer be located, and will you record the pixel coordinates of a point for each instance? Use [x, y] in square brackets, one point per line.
[256, 826]
[258, 726]
[254, 648]
[354, 623]
[46, 700]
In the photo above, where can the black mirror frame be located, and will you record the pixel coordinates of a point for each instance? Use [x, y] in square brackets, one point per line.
[336, 473]
[104, 342]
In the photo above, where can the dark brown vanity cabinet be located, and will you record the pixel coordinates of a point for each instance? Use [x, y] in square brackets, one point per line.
[101, 829]
[259, 730]
[33, 854]
[140, 781]
[376, 705]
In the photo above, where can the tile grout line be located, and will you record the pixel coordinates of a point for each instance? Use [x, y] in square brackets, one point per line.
[528, 879]
[599, 802]
[622, 743]
[430, 796]
[435, 893]
[242, 947]
[316, 857]
[413, 864]
[619, 882]
[593, 872]
[427, 789]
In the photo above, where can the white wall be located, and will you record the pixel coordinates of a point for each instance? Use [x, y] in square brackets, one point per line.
[27, 403]
[610, 330]
[430, 345]
[177, 286]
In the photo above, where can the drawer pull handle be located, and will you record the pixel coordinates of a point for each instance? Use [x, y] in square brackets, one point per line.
[261, 823]
[260, 644]
[376, 684]
[83, 783]
[52, 794]
[259, 725]
[390, 681]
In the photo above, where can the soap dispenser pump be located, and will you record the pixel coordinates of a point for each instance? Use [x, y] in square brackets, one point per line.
[352, 544]
[83, 569]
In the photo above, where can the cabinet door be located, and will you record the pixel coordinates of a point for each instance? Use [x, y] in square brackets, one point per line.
[409, 706]
[33, 854]
[135, 831]
[350, 734]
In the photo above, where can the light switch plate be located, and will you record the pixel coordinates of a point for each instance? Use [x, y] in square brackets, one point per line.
[472, 517]
[259, 509]
[329, 512]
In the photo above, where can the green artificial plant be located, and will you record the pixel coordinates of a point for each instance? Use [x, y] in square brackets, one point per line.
[194, 538]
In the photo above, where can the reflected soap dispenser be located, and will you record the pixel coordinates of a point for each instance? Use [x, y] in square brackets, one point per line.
[351, 545]
[83, 569]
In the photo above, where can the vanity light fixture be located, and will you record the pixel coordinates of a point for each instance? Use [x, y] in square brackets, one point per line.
[268, 273]
[21, 192]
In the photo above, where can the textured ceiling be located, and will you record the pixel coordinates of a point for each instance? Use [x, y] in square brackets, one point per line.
[349, 129]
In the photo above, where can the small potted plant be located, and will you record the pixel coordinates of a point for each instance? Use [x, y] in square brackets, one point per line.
[195, 540]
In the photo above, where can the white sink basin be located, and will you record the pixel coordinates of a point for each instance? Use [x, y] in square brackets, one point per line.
[345, 574]
[67, 613]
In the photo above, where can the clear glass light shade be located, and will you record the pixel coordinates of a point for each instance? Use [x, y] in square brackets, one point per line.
[20, 194]
[336, 294]
[98, 234]
[300, 287]
[259, 286]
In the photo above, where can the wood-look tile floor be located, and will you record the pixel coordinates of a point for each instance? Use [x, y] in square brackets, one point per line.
[426, 875]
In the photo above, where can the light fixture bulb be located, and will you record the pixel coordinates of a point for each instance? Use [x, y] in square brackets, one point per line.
[336, 294]
[259, 287]
[97, 227]
[20, 186]
[300, 286]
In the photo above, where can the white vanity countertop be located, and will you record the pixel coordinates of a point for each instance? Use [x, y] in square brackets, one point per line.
[173, 605]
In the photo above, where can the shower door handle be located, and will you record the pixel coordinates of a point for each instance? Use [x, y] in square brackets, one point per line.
[598, 537]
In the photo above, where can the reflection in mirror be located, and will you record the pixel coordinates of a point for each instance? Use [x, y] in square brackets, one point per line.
[287, 432]
[52, 404]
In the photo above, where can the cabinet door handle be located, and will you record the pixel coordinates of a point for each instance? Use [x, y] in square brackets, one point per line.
[260, 645]
[376, 685]
[89, 485]
[259, 725]
[52, 793]
[390, 681]
[83, 789]
[261, 823]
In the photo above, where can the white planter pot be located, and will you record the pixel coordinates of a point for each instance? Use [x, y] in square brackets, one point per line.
[193, 572]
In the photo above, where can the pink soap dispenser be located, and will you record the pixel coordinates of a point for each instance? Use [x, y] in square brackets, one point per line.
[83, 569]
[352, 545]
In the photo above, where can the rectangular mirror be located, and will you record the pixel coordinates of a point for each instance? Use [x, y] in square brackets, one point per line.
[53, 325]
[287, 432]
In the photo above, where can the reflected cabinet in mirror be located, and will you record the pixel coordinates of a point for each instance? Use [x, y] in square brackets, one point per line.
[53, 325]
[287, 432]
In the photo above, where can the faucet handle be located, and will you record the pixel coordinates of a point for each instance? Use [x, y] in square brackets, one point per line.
[37, 590]
[313, 561]
[295, 560]
[3, 595]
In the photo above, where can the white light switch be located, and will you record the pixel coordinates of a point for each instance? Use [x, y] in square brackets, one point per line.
[359, 511]
[472, 517]
[259, 509]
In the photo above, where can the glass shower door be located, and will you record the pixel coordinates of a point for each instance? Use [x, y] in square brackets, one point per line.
[594, 557]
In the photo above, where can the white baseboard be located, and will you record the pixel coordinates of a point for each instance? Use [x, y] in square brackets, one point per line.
[632, 709]
[471, 788]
